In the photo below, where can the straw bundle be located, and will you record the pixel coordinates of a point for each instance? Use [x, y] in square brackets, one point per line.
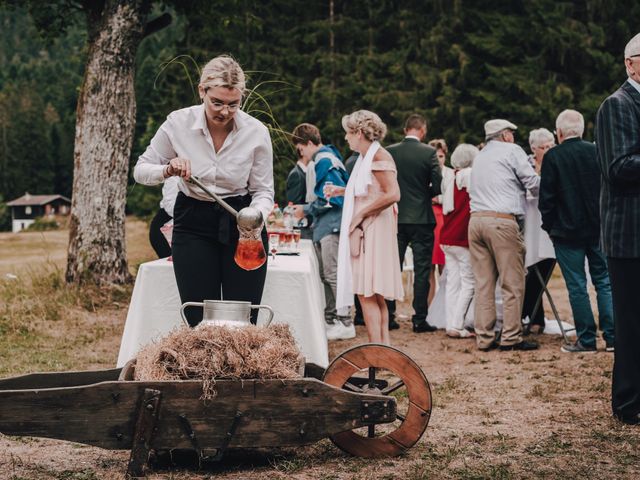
[209, 353]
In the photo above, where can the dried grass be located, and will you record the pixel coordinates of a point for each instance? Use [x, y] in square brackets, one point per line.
[211, 353]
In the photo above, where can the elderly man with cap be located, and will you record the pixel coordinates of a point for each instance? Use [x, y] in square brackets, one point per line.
[618, 145]
[499, 180]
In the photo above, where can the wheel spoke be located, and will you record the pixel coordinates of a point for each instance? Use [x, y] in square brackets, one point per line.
[372, 431]
[400, 417]
[392, 388]
[352, 387]
[372, 377]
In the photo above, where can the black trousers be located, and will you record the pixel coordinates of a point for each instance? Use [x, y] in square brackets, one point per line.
[625, 392]
[156, 238]
[533, 290]
[420, 237]
[204, 243]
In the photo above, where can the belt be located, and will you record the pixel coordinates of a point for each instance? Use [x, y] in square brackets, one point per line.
[508, 216]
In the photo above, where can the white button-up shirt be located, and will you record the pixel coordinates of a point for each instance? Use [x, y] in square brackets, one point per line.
[243, 165]
[500, 176]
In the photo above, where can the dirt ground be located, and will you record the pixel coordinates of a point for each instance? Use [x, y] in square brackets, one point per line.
[502, 415]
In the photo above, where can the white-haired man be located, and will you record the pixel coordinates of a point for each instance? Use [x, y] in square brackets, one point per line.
[618, 144]
[569, 204]
[500, 176]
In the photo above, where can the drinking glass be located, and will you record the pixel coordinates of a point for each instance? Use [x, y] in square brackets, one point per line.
[296, 238]
[274, 240]
[327, 184]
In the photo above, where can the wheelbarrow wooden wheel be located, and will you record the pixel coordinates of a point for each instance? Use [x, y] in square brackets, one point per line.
[403, 379]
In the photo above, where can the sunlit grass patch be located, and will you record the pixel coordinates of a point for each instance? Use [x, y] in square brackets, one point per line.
[44, 321]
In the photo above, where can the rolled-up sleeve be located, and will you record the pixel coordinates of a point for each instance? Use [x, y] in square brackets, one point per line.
[260, 183]
[150, 165]
[525, 172]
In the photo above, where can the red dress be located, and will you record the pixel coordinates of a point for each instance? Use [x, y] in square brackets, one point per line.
[438, 255]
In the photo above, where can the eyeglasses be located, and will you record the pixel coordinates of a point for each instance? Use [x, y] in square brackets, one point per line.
[219, 106]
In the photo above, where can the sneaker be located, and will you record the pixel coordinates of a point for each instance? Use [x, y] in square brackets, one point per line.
[520, 346]
[340, 331]
[610, 347]
[577, 348]
[345, 320]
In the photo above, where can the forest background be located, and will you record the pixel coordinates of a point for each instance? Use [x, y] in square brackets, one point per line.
[457, 62]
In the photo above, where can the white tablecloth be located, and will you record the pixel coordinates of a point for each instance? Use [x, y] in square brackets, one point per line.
[292, 288]
[536, 240]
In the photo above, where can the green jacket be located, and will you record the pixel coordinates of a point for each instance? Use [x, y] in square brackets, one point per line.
[419, 178]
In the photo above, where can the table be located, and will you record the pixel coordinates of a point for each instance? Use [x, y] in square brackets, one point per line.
[292, 288]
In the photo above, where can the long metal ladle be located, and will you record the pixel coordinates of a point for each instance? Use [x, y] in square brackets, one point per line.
[248, 218]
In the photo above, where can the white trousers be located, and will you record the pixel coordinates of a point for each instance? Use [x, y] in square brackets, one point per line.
[460, 285]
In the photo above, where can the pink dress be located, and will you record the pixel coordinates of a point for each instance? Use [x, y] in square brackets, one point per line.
[377, 269]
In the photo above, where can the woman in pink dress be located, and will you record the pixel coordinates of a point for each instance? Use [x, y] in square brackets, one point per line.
[368, 259]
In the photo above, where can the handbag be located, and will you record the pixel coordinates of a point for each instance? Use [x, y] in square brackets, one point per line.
[356, 241]
[356, 238]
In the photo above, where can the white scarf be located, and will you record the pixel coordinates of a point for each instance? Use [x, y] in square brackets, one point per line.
[462, 180]
[358, 186]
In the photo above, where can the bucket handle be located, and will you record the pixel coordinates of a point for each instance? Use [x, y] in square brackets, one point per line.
[266, 307]
[189, 304]
[201, 304]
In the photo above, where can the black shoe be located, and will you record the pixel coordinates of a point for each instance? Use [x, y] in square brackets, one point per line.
[492, 346]
[423, 327]
[358, 321]
[628, 419]
[520, 346]
[393, 325]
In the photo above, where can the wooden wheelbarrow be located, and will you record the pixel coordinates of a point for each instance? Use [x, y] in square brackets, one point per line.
[372, 401]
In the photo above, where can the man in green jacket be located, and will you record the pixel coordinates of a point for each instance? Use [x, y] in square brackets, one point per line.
[419, 178]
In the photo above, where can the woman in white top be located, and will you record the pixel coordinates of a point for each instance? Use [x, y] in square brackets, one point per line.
[231, 153]
[542, 253]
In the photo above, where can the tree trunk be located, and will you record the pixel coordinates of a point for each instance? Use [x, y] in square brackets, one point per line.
[104, 134]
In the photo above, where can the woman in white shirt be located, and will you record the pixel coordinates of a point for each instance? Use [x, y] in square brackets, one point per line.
[231, 153]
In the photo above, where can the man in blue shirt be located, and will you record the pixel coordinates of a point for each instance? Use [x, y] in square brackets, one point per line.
[325, 165]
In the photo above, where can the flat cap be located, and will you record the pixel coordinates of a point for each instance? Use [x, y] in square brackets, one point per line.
[497, 125]
[632, 49]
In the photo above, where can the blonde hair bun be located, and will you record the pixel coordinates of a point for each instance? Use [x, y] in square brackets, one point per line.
[223, 71]
[369, 123]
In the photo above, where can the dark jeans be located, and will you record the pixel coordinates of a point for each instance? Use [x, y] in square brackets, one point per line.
[156, 238]
[204, 243]
[625, 393]
[533, 291]
[571, 259]
[420, 238]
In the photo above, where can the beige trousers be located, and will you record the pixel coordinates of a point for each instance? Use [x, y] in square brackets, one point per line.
[497, 250]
